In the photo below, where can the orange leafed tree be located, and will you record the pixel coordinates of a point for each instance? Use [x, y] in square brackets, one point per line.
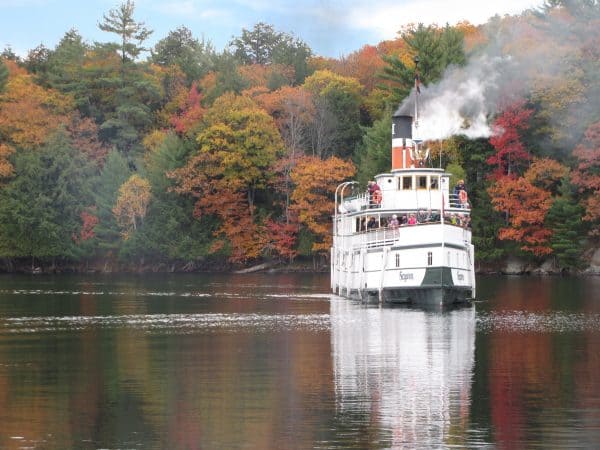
[260, 75]
[315, 182]
[6, 168]
[28, 114]
[547, 174]
[526, 206]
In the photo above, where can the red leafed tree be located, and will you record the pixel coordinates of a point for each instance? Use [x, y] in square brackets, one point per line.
[283, 236]
[526, 207]
[190, 111]
[239, 230]
[586, 176]
[511, 154]
[87, 228]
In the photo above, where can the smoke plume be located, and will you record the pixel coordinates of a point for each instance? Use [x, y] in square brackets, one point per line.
[531, 53]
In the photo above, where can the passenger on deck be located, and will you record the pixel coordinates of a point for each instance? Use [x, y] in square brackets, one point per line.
[371, 223]
[460, 186]
[460, 193]
[394, 222]
[465, 221]
[374, 194]
[463, 198]
[424, 216]
[412, 219]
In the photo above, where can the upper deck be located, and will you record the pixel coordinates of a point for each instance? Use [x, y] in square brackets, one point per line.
[402, 191]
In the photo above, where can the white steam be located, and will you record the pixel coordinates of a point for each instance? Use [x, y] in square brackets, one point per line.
[462, 102]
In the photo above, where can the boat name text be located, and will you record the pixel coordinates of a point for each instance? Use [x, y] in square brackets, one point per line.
[406, 276]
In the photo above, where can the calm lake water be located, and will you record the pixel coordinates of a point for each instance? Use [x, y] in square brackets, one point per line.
[277, 362]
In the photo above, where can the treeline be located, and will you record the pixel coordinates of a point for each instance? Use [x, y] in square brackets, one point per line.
[195, 158]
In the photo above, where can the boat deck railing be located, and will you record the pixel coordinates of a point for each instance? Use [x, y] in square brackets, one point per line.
[385, 236]
[364, 202]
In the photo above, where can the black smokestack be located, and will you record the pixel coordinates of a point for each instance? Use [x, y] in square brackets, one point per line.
[401, 126]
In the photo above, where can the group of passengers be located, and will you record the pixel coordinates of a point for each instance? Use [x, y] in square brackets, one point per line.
[462, 220]
[393, 222]
[420, 217]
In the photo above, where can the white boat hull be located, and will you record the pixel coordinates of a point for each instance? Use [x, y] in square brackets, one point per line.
[428, 264]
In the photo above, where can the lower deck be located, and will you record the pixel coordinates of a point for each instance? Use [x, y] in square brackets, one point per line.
[428, 264]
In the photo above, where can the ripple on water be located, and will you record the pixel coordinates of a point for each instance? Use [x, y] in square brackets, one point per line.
[179, 323]
[538, 322]
[141, 293]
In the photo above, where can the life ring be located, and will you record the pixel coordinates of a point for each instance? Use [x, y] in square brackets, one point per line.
[462, 196]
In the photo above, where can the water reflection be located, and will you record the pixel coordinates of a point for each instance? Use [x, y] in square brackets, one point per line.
[408, 371]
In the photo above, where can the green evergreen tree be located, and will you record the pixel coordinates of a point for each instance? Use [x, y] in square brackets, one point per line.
[40, 209]
[436, 48]
[374, 154]
[3, 75]
[256, 46]
[136, 96]
[170, 232]
[293, 52]
[36, 63]
[568, 238]
[121, 22]
[65, 69]
[106, 190]
[264, 45]
[194, 57]
[486, 223]
[228, 78]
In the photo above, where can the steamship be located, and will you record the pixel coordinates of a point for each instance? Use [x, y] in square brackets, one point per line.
[428, 260]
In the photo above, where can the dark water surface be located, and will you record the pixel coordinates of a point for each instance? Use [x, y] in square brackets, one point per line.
[276, 362]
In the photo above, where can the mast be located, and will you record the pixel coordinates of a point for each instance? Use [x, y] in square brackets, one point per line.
[417, 92]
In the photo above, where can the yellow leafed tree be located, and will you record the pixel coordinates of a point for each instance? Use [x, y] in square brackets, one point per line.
[132, 204]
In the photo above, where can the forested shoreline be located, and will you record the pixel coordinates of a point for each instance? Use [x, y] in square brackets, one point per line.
[179, 157]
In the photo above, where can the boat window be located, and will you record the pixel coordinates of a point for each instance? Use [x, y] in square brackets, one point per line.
[429, 258]
[397, 259]
[434, 184]
[422, 182]
[407, 182]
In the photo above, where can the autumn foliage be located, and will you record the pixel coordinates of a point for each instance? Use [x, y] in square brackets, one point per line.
[525, 206]
[315, 182]
[586, 175]
[511, 154]
[132, 204]
[190, 111]
[192, 155]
